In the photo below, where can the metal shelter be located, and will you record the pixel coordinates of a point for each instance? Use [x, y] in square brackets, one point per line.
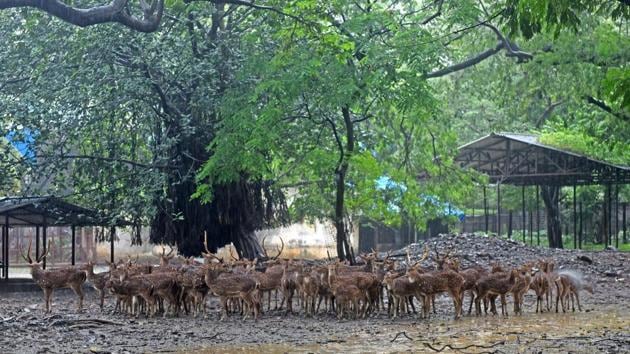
[42, 212]
[522, 160]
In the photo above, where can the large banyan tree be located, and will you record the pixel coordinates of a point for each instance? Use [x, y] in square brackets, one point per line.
[121, 121]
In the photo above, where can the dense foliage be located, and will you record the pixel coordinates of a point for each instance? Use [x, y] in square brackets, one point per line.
[349, 109]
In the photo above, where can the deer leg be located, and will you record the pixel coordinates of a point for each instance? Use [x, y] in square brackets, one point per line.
[47, 296]
[78, 291]
[478, 304]
[472, 299]
[504, 310]
[577, 298]
[433, 304]
[101, 294]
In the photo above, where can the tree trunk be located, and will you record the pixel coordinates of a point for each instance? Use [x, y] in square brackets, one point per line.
[343, 247]
[551, 198]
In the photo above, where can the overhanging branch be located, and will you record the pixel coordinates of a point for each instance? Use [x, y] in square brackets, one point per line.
[512, 51]
[115, 11]
[606, 108]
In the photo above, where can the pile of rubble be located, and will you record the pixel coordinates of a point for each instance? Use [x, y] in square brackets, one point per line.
[608, 265]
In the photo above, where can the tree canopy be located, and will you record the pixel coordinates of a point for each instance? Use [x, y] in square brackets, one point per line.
[232, 116]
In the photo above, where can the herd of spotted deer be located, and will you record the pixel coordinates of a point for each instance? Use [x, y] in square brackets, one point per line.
[348, 290]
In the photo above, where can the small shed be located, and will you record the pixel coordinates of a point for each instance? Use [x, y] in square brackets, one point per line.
[41, 213]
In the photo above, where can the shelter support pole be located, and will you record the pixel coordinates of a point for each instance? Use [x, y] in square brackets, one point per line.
[625, 206]
[485, 207]
[523, 229]
[510, 224]
[581, 235]
[74, 239]
[499, 209]
[623, 214]
[112, 236]
[472, 220]
[537, 215]
[44, 246]
[574, 218]
[36, 242]
[5, 248]
[617, 216]
[609, 241]
[531, 227]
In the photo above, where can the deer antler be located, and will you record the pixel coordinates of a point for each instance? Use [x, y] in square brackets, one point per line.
[389, 253]
[28, 257]
[425, 254]
[281, 249]
[207, 253]
[45, 254]
[408, 256]
[205, 242]
[262, 244]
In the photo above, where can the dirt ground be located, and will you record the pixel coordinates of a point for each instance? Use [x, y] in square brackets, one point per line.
[604, 326]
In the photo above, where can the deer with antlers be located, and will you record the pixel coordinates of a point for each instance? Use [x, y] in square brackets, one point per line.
[49, 280]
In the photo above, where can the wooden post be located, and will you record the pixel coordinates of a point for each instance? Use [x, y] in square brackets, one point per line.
[623, 214]
[510, 224]
[74, 239]
[581, 236]
[44, 229]
[616, 216]
[499, 209]
[472, 220]
[36, 242]
[574, 218]
[523, 228]
[538, 215]
[112, 235]
[531, 227]
[609, 241]
[5, 248]
[485, 208]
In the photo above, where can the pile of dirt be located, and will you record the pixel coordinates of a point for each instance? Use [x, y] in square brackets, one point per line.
[608, 269]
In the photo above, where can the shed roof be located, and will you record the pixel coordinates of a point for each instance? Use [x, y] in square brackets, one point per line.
[51, 211]
[521, 159]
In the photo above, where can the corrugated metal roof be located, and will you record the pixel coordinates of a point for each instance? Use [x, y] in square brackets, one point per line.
[29, 211]
[523, 159]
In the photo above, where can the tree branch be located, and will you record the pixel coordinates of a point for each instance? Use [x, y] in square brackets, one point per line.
[465, 64]
[107, 159]
[115, 11]
[512, 49]
[603, 106]
[547, 112]
[436, 14]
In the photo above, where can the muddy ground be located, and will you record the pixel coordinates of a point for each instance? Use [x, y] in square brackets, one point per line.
[604, 326]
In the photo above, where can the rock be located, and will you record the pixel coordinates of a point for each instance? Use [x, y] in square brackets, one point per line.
[584, 258]
[612, 273]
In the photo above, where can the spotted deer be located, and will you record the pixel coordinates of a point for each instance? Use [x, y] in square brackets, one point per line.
[49, 280]
[570, 283]
[227, 285]
[98, 281]
[495, 284]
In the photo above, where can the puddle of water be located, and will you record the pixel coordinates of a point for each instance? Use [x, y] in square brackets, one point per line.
[549, 331]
